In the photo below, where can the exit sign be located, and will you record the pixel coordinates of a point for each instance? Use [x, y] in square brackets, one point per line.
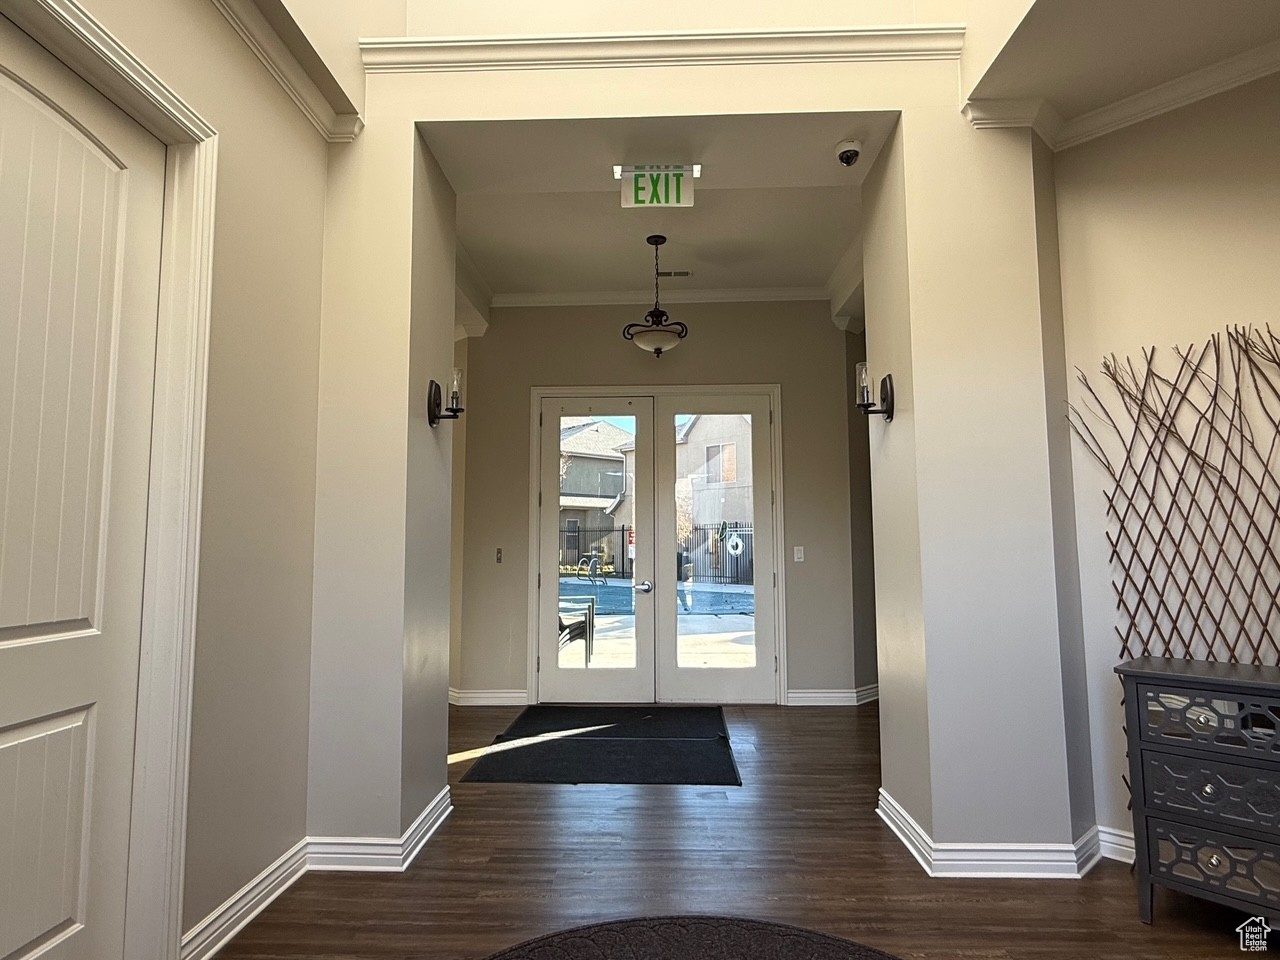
[667, 185]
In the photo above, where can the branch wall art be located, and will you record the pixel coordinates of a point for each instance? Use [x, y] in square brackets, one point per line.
[1191, 446]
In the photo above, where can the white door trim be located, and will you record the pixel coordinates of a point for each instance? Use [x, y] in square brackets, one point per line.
[538, 394]
[158, 827]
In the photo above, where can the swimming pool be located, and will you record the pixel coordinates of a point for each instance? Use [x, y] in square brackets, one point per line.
[617, 597]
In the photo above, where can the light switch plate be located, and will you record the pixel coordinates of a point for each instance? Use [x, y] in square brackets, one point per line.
[799, 554]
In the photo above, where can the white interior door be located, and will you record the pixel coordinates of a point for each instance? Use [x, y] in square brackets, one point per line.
[596, 572]
[657, 550]
[81, 198]
[716, 641]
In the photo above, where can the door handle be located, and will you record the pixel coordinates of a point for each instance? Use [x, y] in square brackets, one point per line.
[645, 586]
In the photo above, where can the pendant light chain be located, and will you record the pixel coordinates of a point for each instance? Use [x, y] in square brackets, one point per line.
[655, 276]
[657, 332]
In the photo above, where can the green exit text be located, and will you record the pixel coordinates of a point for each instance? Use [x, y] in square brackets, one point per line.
[672, 188]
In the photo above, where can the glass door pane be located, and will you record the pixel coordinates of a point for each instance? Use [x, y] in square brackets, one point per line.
[597, 599]
[596, 605]
[715, 630]
[715, 542]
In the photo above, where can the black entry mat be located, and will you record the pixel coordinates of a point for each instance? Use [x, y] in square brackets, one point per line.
[675, 745]
[647, 722]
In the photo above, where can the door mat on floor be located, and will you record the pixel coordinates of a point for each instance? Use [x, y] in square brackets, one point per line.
[679, 938]
[608, 744]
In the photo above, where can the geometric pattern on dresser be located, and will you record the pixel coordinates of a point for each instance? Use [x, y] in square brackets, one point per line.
[1229, 865]
[1204, 766]
[1249, 725]
[1233, 794]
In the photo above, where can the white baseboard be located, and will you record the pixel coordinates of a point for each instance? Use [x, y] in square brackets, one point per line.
[821, 698]
[1021, 860]
[378, 854]
[1116, 844]
[488, 698]
[211, 934]
[420, 831]
[1088, 851]
[832, 698]
[909, 832]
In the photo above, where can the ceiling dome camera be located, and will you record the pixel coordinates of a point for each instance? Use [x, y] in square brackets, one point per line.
[848, 151]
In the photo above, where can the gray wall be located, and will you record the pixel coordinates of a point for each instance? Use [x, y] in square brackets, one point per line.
[424, 740]
[380, 639]
[1075, 689]
[861, 532]
[248, 785]
[458, 503]
[900, 641]
[793, 344]
[1168, 233]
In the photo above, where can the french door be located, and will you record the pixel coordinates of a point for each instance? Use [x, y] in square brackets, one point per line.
[656, 549]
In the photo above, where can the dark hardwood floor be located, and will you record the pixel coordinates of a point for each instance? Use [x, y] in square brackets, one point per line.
[799, 842]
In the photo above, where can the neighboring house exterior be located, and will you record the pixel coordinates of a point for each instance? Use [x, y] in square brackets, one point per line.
[593, 484]
[714, 509]
[713, 459]
[713, 493]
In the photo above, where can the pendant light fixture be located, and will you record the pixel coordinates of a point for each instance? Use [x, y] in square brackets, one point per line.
[658, 332]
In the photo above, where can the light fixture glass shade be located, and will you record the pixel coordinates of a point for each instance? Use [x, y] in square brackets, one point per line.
[864, 385]
[455, 390]
[656, 339]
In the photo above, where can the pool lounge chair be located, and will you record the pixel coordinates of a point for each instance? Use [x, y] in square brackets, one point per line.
[581, 625]
[589, 570]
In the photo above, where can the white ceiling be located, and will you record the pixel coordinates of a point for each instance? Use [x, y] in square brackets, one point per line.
[1081, 55]
[540, 215]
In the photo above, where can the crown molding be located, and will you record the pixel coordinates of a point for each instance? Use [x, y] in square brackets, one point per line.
[437, 54]
[1039, 115]
[335, 117]
[69, 32]
[1192, 87]
[1060, 133]
[631, 297]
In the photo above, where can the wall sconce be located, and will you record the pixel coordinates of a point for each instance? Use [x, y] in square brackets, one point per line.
[864, 401]
[451, 412]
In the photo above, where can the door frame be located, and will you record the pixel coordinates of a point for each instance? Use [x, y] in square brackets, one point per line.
[774, 392]
[158, 815]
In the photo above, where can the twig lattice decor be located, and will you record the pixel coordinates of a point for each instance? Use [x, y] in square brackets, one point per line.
[1194, 511]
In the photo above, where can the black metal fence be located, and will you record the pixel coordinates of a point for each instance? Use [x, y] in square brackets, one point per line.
[717, 553]
[607, 546]
[722, 553]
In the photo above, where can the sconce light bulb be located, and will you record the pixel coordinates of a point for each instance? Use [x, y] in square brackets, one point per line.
[455, 390]
[864, 385]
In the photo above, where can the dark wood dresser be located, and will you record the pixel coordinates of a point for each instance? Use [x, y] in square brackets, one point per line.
[1204, 768]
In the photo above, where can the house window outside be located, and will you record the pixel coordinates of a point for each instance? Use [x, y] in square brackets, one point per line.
[722, 463]
[572, 544]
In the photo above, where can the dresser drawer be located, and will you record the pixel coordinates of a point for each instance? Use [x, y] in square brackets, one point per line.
[1230, 793]
[1228, 724]
[1214, 861]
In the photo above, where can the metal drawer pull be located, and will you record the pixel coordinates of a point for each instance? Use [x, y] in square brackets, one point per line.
[1209, 790]
[1215, 862]
[1204, 720]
